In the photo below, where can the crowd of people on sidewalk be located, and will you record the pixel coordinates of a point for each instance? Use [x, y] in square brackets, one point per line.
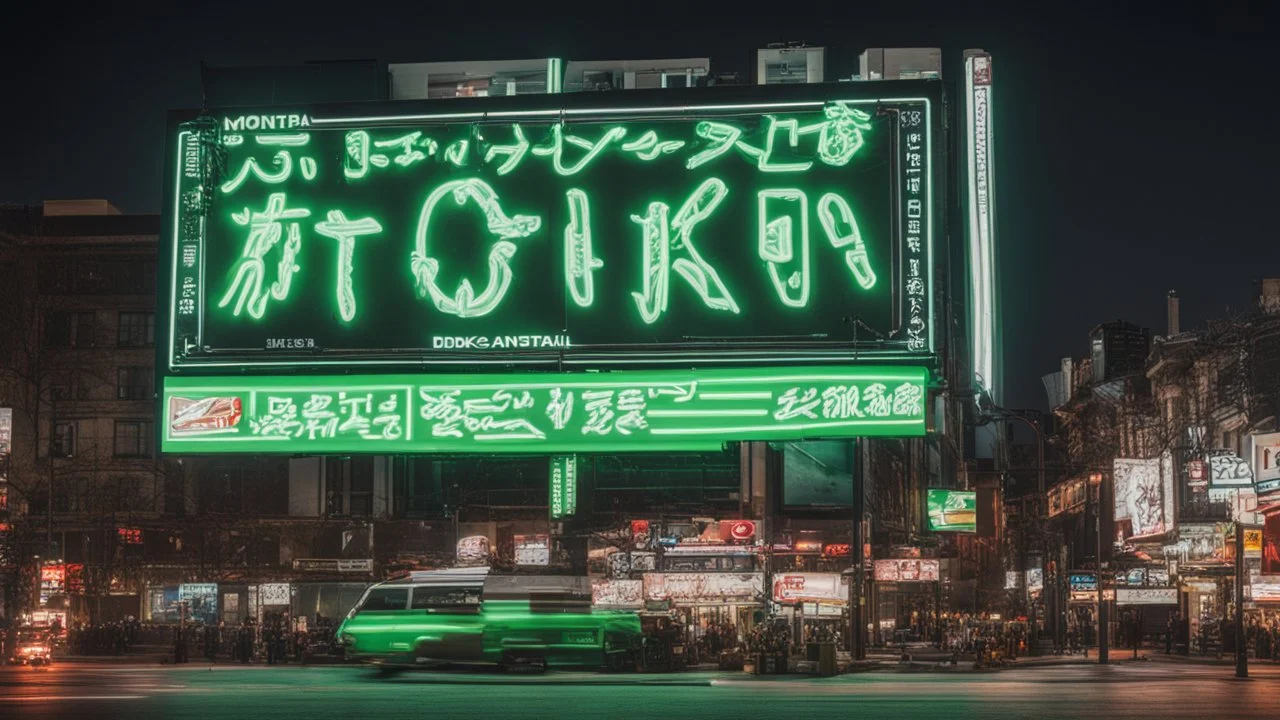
[276, 640]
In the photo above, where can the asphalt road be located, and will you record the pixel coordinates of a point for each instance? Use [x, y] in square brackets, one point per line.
[138, 692]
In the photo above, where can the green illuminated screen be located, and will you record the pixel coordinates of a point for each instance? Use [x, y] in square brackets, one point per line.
[563, 474]
[606, 235]
[552, 412]
[953, 510]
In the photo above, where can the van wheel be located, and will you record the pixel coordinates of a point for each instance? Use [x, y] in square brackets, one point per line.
[389, 671]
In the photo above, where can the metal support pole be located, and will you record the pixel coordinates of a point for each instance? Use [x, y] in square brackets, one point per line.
[1242, 650]
[1103, 650]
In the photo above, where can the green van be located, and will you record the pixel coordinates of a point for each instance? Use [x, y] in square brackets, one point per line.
[468, 616]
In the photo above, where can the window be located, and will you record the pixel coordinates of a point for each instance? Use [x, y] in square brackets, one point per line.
[133, 438]
[136, 329]
[134, 383]
[349, 485]
[70, 329]
[64, 439]
[445, 597]
[381, 599]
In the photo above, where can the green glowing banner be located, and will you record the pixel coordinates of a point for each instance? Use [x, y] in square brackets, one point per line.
[953, 510]
[563, 472]
[553, 412]
[591, 236]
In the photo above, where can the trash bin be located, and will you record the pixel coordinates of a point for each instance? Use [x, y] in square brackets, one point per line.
[826, 659]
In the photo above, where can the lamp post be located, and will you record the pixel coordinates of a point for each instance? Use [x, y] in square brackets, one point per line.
[1095, 481]
[1242, 649]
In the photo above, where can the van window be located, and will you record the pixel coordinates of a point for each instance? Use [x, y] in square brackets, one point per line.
[428, 596]
[385, 598]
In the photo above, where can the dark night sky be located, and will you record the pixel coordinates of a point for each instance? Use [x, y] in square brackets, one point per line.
[1136, 151]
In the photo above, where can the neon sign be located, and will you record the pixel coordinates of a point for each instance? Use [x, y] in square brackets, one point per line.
[552, 412]
[625, 234]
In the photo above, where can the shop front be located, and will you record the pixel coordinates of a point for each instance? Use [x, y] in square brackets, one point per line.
[907, 596]
[724, 604]
[815, 604]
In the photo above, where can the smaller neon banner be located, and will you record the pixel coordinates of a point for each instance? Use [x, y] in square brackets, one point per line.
[953, 510]
[564, 485]
[553, 412]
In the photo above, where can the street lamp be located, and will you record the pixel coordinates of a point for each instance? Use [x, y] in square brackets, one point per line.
[1095, 482]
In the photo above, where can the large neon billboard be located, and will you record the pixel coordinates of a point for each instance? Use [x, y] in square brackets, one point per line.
[620, 411]
[789, 229]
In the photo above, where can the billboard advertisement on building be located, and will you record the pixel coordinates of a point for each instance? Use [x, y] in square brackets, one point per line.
[1143, 497]
[580, 230]
[952, 510]
[906, 570]
[790, 588]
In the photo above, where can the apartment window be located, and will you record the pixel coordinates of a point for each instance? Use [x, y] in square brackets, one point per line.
[70, 329]
[137, 329]
[133, 383]
[64, 439]
[133, 438]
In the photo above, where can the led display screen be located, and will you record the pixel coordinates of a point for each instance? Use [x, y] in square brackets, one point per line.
[586, 235]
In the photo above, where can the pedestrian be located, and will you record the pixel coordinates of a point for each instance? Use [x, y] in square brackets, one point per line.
[1170, 627]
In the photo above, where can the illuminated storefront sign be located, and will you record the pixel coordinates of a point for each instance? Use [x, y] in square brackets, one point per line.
[1265, 588]
[1083, 581]
[532, 550]
[809, 587]
[906, 570]
[692, 588]
[563, 473]
[129, 536]
[584, 235]
[618, 594]
[1146, 596]
[618, 411]
[953, 510]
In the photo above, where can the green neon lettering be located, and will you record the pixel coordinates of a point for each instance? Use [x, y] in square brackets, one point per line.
[284, 139]
[288, 264]
[282, 159]
[723, 137]
[559, 138]
[409, 152]
[648, 147]
[345, 232]
[465, 302]
[355, 163]
[265, 231]
[777, 243]
[233, 140]
[580, 263]
[456, 153]
[764, 158]
[840, 135]
[308, 165]
[657, 266]
[830, 206]
[514, 154]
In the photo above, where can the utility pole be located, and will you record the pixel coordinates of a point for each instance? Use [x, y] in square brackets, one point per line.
[1095, 479]
[1242, 649]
